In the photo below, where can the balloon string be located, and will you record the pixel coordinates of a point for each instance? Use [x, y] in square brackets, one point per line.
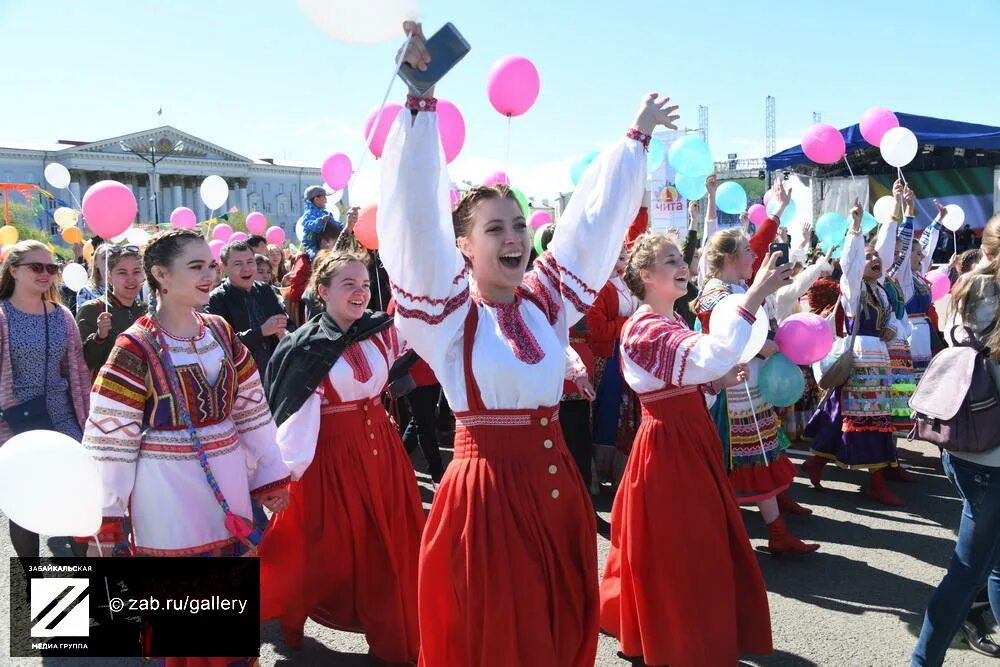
[506, 163]
[381, 108]
[849, 170]
[107, 283]
[899, 172]
[760, 438]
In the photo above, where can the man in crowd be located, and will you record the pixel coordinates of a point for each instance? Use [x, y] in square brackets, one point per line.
[251, 308]
[258, 244]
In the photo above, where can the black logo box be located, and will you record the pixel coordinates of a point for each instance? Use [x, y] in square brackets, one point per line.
[211, 632]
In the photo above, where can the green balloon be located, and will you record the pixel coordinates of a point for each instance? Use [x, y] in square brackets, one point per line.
[522, 200]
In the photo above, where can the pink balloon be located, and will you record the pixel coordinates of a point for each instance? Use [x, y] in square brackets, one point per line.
[805, 338]
[513, 85]
[496, 178]
[109, 208]
[767, 198]
[875, 123]
[540, 219]
[222, 232]
[257, 223]
[452, 128]
[940, 284]
[238, 236]
[824, 144]
[757, 214]
[389, 114]
[216, 248]
[455, 196]
[183, 218]
[275, 235]
[337, 168]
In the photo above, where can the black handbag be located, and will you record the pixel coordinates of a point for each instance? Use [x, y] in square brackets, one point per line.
[33, 414]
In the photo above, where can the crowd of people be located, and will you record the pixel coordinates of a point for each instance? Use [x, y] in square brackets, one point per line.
[299, 384]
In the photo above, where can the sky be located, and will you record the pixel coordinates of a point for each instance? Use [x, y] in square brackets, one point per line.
[255, 77]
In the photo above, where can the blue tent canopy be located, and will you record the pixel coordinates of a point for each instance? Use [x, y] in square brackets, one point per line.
[935, 131]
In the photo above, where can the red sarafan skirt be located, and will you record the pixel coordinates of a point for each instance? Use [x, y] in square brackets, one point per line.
[508, 563]
[345, 551]
[681, 586]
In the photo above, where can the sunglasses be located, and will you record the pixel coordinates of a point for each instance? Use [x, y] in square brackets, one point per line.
[116, 250]
[38, 267]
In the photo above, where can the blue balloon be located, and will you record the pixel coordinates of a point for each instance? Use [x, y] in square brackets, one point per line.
[580, 166]
[690, 187]
[731, 198]
[868, 222]
[789, 213]
[781, 382]
[655, 155]
[831, 227]
[690, 155]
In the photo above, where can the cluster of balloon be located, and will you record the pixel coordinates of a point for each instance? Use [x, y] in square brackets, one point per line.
[365, 228]
[359, 22]
[256, 222]
[880, 127]
[183, 218]
[725, 317]
[781, 383]
[50, 485]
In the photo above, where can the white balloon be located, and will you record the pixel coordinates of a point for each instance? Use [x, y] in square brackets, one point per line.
[137, 236]
[75, 277]
[955, 218]
[49, 484]
[899, 146]
[724, 317]
[214, 192]
[66, 217]
[356, 22]
[121, 237]
[57, 175]
[884, 208]
[299, 231]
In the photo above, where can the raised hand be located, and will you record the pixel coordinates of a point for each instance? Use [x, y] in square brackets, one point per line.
[910, 200]
[897, 189]
[782, 196]
[416, 55]
[655, 111]
[712, 184]
[769, 278]
[942, 211]
[856, 213]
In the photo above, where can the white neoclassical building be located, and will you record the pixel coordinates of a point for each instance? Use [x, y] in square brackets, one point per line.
[272, 187]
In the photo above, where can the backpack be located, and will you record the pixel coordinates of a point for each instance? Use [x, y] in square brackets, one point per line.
[957, 405]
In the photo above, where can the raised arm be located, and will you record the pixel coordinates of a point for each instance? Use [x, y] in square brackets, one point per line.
[852, 262]
[901, 269]
[929, 239]
[768, 230]
[885, 242]
[711, 226]
[579, 260]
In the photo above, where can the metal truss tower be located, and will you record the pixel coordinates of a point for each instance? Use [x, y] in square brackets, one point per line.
[703, 122]
[770, 136]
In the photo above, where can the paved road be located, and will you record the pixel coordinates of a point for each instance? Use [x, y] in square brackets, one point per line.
[858, 601]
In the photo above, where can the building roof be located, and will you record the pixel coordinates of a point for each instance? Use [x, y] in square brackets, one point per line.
[938, 139]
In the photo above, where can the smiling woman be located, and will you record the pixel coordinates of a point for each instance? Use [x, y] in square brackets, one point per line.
[102, 320]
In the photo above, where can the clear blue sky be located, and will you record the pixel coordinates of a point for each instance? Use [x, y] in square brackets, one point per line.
[255, 77]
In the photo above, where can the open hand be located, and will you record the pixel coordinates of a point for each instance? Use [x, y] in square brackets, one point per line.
[654, 111]
[782, 196]
[942, 211]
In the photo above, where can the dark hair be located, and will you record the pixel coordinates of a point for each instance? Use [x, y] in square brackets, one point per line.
[163, 248]
[461, 216]
[262, 259]
[548, 233]
[255, 240]
[118, 253]
[328, 262]
[233, 246]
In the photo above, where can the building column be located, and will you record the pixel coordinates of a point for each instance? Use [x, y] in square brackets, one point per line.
[74, 188]
[177, 195]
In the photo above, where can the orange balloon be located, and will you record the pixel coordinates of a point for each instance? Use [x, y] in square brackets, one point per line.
[72, 235]
[364, 228]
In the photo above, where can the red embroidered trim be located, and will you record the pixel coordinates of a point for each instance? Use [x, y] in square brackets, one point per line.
[640, 136]
[416, 298]
[514, 329]
[540, 295]
[746, 315]
[190, 551]
[666, 392]
[285, 481]
[550, 267]
[414, 103]
[450, 306]
[356, 359]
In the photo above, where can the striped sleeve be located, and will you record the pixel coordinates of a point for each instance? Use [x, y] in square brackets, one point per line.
[113, 432]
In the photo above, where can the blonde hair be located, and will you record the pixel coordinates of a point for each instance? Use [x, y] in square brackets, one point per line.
[328, 262]
[15, 254]
[97, 277]
[722, 244]
[642, 255]
[961, 297]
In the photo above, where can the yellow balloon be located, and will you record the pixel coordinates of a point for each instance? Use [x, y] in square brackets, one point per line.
[88, 251]
[65, 217]
[8, 235]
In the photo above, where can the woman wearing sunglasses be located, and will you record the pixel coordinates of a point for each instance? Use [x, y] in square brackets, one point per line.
[101, 320]
[44, 383]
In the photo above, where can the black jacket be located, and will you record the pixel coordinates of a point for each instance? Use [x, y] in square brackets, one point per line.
[304, 358]
[231, 304]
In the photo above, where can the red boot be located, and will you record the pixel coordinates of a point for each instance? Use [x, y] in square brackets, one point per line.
[814, 466]
[789, 506]
[900, 474]
[782, 541]
[880, 492]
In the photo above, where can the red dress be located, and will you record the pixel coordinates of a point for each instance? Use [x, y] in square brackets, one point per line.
[508, 562]
[681, 585]
[344, 553]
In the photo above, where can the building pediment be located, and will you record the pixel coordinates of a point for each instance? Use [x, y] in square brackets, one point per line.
[162, 139]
